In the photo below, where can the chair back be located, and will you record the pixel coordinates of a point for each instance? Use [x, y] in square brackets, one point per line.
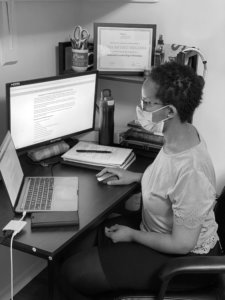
[220, 217]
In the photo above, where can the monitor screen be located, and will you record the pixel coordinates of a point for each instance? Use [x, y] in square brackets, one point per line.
[45, 110]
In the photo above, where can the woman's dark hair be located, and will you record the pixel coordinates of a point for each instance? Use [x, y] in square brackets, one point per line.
[180, 86]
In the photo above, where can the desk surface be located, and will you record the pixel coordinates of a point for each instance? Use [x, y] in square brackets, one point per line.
[96, 201]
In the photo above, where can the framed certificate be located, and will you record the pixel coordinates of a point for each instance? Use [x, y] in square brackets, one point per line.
[123, 48]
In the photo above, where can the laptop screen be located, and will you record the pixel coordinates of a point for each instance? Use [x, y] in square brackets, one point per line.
[10, 168]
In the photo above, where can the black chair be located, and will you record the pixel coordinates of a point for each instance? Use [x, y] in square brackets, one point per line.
[205, 275]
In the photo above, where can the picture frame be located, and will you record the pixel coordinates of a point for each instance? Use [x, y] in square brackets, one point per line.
[125, 49]
[65, 57]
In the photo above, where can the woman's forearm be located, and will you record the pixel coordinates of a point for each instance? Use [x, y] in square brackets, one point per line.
[161, 242]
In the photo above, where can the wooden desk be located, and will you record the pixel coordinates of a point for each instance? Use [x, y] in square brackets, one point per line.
[96, 201]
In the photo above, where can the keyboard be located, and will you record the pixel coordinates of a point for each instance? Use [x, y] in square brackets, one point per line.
[39, 196]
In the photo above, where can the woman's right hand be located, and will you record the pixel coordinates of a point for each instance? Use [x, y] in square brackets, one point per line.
[122, 176]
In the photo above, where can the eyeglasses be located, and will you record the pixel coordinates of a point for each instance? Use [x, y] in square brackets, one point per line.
[147, 104]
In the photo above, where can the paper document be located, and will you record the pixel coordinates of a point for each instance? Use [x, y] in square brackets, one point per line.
[114, 156]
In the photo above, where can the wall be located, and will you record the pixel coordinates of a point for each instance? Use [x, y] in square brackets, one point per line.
[41, 25]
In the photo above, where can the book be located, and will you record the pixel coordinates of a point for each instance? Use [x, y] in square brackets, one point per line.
[99, 156]
[136, 124]
[139, 144]
[143, 136]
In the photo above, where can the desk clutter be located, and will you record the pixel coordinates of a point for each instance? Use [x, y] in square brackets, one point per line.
[80, 38]
[96, 156]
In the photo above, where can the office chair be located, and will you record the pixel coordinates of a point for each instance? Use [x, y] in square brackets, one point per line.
[204, 275]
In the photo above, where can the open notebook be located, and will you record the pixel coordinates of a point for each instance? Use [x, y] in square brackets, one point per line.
[91, 157]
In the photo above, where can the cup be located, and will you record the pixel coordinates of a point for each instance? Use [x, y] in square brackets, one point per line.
[80, 60]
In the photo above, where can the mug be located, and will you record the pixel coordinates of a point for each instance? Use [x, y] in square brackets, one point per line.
[80, 59]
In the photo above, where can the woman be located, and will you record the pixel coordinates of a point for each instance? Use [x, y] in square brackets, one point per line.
[178, 191]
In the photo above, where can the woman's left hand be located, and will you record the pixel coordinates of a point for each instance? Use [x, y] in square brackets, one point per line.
[119, 233]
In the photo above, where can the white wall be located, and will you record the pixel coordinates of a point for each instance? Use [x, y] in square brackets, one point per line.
[41, 25]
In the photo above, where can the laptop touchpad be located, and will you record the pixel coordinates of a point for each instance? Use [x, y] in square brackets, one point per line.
[65, 195]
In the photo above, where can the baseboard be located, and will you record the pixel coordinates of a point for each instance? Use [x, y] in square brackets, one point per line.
[23, 279]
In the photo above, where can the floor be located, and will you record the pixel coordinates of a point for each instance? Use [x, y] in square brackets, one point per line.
[37, 289]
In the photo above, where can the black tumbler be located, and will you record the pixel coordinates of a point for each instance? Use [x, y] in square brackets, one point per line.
[106, 118]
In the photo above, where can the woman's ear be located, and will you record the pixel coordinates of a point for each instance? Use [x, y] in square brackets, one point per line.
[172, 111]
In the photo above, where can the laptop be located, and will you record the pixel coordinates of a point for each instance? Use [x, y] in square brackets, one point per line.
[35, 194]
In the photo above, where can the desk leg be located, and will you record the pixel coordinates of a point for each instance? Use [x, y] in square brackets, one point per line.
[51, 276]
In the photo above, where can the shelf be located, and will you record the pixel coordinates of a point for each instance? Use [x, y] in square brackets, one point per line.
[123, 78]
[127, 78]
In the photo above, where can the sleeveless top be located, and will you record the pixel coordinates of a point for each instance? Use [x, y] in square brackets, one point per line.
[181, 188]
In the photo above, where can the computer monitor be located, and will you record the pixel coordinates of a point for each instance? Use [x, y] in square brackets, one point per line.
[46, 110]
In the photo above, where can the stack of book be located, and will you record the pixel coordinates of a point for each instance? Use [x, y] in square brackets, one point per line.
[90, 155]
[139, 138]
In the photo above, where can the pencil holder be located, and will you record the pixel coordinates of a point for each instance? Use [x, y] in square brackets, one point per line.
[80, 59]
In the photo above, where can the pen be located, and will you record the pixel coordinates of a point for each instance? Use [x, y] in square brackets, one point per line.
[93, 151]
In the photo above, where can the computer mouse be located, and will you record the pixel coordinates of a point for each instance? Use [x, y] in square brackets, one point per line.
[107, 177]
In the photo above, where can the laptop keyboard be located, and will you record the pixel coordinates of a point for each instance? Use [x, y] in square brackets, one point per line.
[40, 193]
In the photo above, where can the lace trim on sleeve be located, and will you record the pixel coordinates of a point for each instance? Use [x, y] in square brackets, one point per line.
[192, 220]
[206, 246]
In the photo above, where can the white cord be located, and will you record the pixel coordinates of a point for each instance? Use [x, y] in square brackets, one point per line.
[204, 61]
[11, 262]
[23, 216]
[11, 255]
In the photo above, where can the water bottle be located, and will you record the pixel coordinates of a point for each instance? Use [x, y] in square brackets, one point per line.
[106, 118]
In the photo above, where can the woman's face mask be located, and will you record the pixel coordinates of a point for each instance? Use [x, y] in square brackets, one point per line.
[152, 121]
